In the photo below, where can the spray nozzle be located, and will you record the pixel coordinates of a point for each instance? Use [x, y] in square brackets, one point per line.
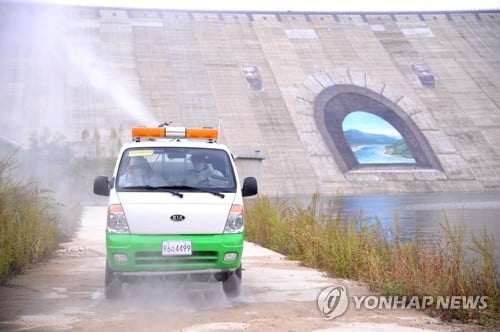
[165, 124]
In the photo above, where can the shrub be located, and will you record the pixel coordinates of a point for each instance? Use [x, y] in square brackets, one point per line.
[355, 249]
[27, 223]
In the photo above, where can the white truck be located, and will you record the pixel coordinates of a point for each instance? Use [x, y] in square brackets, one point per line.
[175, 208]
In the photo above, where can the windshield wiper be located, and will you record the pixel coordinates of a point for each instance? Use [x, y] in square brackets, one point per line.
[213, 192]
[152, 188]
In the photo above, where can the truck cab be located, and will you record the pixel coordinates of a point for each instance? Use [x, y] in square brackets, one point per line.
[175, 209]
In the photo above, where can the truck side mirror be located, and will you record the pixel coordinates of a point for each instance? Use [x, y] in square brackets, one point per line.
[101, 185]
[249, 187]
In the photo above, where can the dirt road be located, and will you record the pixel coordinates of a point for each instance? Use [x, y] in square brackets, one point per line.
[67, 293]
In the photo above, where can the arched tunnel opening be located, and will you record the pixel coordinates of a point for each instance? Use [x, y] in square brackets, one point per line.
[363, 129]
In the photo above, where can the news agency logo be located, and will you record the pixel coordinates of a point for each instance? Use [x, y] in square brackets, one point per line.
[332, 301]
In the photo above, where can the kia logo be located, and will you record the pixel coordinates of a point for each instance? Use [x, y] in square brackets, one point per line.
[177, 217]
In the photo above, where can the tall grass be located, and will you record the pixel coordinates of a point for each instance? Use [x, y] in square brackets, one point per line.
[27, 223]
[358, 250]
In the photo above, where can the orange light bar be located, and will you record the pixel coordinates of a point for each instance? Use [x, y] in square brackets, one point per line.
[148, 132]
[202, 133]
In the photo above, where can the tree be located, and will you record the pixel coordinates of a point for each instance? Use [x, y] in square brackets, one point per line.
[113, 137]
[85, 136]
[96, 140]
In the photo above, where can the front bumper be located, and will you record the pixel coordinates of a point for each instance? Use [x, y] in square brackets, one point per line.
[144, 254]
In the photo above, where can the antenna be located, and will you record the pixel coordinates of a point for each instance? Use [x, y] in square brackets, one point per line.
[165, 124]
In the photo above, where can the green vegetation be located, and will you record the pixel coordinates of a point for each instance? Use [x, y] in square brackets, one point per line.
[399, 149]
[320, 238]
[33, 220]
[28, 223]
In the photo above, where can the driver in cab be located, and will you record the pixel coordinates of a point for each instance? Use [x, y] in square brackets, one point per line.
[202, 170]
[140, 173]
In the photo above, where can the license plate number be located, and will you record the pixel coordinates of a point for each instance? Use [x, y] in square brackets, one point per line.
[176, 248]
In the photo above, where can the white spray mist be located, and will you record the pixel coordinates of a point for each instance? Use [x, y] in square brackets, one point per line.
[58, 73]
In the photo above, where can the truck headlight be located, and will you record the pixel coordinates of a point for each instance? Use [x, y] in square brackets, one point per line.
[117, 222]
[235, 220]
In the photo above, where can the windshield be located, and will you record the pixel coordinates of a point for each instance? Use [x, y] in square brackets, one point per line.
[182, 169]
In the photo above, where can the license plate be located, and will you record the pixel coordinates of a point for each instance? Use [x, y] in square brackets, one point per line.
[176, 248]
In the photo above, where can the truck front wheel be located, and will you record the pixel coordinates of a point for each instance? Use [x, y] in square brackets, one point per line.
[112, 286]
[232, 285]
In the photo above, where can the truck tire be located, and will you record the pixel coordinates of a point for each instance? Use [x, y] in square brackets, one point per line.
[232, 285]
[112, 286]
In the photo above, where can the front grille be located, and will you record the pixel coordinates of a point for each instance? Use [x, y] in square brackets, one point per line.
[155, 257]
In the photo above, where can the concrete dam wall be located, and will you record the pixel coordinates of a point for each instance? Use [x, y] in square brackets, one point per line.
[280, 85]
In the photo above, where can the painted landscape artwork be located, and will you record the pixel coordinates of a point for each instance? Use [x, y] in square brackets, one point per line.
[374, 140]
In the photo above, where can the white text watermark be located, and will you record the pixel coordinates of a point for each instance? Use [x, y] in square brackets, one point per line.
[333, 301]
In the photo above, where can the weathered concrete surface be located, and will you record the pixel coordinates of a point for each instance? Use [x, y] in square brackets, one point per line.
[76, 69]
[66, 293]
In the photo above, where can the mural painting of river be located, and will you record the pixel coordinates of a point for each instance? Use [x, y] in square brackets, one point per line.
[374, 140]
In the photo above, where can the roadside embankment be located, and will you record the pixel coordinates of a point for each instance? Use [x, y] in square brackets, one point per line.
[352, 249]
[27, 223]
[31, 222]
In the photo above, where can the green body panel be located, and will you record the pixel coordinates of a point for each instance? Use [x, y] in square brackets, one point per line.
[144, 252]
